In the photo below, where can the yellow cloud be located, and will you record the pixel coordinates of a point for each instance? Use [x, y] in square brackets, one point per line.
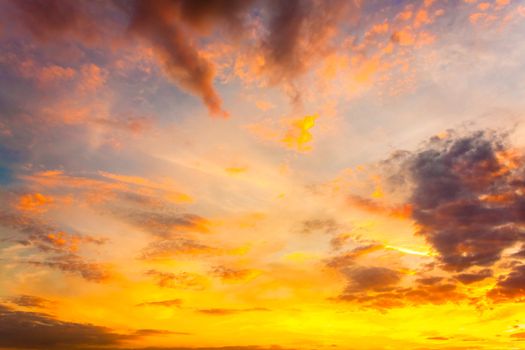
[298, 136]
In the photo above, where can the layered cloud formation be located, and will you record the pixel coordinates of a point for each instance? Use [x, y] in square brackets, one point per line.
[262, 174]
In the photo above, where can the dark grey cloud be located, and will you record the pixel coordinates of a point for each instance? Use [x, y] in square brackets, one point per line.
[53, 19]
[300, 32]
[159, 22]
[468, 198]
[472, 277]
[427, 290]
[30, 301]
[511, 286]
[34, 330]
[371, 278]
[349, 258]
[31, 330]
[294, 34]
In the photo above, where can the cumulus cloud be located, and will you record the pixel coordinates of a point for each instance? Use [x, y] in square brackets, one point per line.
[468, 198]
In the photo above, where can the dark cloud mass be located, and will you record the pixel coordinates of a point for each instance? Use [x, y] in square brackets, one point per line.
[293, 34]
[300, 31]
[468, 198]
[468, 278]
[29, 301]
[371, 278]
[34, 330]
[51, 19]
[159, 23]
[510, 286]
[31, 330]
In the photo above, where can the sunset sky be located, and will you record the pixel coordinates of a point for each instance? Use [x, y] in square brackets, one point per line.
[262, 175]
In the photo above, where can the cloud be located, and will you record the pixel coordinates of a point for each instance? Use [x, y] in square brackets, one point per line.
[227, 312]
[182, 280]
[47, 332]
[371, 278]
[165, 249]
[298, 136]
[43, 235]
[54, 19]
[160, 24]
[300, 33]
[510, 286]
[93, 272]
[468, 278]
[35, 202]
[326, 226]
[402, 211]
[467, 198]
[349, 258]
[165, 303]
[425, 291]
[232, 274]
[165, 224]
[29, 301]
[233, 347]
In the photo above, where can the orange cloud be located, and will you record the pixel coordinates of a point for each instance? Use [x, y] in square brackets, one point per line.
[402, 211]
[64, 241]
[34, 202]
[236, 170]
[93, 78]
